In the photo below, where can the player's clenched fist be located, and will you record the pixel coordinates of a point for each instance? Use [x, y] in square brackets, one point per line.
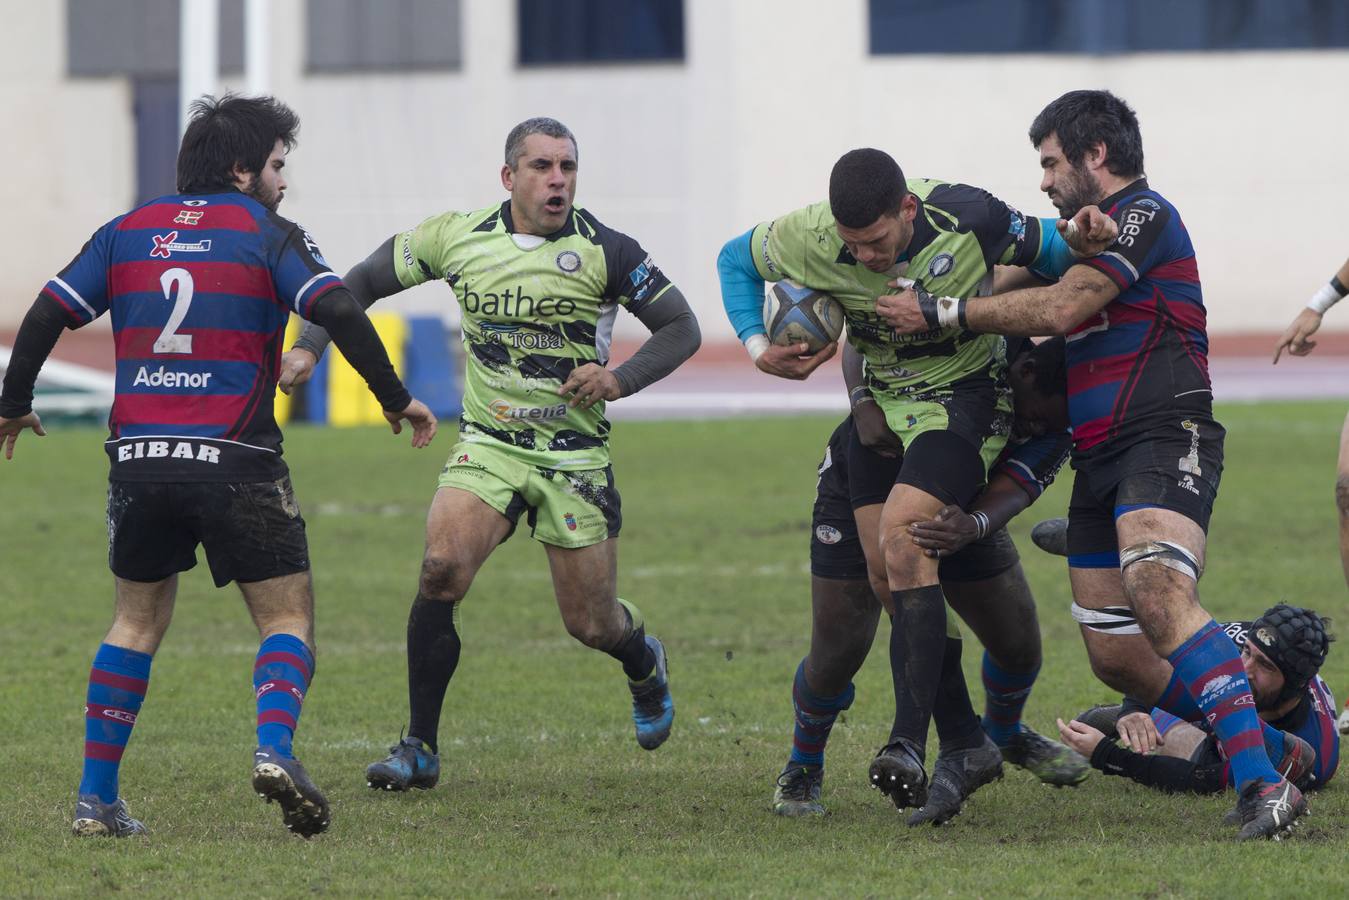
[297, 367]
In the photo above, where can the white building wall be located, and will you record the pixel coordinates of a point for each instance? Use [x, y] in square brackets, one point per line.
[1249, 146]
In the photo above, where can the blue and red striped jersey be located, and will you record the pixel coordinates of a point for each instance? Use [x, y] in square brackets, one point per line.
[200, 287]
[1143, 359]
[1033, 462]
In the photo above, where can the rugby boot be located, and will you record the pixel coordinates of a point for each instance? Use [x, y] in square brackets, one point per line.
[408, 765]
[1051, 762]
[1104, 719]
[1269, 810]
[1051, 536]
[955, 776]
[1298, 761]
[304, 809]
[652, 706]
[798, 791]
[897, 772]
[94, 818]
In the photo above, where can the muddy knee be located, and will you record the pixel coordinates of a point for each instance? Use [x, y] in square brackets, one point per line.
[442, 579]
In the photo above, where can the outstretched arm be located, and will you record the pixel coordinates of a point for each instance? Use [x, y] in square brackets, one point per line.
[369, 280]
[37, 336]
[1296, 338]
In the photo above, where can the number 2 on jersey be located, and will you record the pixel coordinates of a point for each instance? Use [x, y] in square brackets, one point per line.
[169, 341]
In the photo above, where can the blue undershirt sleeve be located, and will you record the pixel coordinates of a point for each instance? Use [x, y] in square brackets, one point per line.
[1055, 256]
[742, 288]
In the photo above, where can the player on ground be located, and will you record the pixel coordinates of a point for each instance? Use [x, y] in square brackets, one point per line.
[539, 283]
[1282, 652]
[1147, 450]
[200, 285]
[943, 393]
[1296, 339]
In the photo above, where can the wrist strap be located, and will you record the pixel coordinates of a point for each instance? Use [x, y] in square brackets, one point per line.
[1330, 293]
[860, 394]
[980, 524]
[756, 344]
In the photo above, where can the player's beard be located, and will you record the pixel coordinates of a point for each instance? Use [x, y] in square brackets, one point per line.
[1071, 194]
[259, 192]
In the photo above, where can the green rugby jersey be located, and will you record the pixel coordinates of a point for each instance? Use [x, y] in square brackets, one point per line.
[534, 308]
[959, 234]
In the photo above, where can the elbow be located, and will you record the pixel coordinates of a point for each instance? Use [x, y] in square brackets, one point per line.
[695, 335]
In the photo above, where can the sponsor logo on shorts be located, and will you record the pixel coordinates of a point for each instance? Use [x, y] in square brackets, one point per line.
[569, 261]
[570, 520]
[188, 216]
[940, 265]
[463, 458]
[1190, 462]
[168, 450]
[161, 377]
[828, 534]
[502, 411]
[168, 244]
[1187, 482]
[911, 420]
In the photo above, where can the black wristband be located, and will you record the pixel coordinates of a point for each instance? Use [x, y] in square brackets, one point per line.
[927, 305]
[1338, 285]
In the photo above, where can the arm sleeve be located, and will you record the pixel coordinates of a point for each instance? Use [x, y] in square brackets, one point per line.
[339, 313]
[1054, 256]
[369, 280]
[1166, 773]
[674, 338]
[1141, 224]
[32, 345]
[1130, 705]
[742, 287]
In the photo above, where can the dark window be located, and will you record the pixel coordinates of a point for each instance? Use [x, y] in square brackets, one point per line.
[1105, 26]
[364, 36]
[140, 37]
[554, 32]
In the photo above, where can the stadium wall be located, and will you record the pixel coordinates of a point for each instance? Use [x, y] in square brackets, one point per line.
[685, 155]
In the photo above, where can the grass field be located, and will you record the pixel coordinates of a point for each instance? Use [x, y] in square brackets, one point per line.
[544, 791]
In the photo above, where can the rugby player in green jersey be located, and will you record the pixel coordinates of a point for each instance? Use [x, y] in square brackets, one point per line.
[539, 283]
[943, 393]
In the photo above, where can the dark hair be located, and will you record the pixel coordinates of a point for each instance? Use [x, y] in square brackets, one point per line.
[865, 185]
[515, 141]
[1084, 118]
[1051, 367]
[231, 131]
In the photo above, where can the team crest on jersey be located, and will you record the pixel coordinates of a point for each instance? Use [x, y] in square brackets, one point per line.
[940, 265]
[188, 216]
[569, 261]
[194, 203]
[570, 520]
[168, 244]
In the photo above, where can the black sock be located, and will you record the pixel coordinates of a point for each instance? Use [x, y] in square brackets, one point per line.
[637, 658]
[958, 728]
[433, 655]
[917, 645]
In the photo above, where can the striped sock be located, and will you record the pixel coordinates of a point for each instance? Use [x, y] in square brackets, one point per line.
[1164, 721]
[1209, 665]
[1177, 701]
[814, 719]
[281, 678]
[1005, 695]
[117, 683]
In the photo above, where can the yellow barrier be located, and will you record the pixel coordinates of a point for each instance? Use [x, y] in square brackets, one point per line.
[349, 400]
[282, 403]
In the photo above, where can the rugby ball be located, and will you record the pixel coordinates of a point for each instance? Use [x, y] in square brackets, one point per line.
[795, 314]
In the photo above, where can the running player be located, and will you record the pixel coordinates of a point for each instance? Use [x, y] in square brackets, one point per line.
[943, 393]
[200, 285]
[539, 283]
[1147, 450]
[1282, 652]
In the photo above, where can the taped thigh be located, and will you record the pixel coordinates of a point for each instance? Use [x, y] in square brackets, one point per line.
[1164, 553]
[1107, 620]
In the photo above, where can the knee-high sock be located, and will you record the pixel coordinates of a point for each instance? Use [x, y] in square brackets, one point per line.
[433, 655]
[1211, 669]
[815, 717]
[1005, 695]
[953, 714]
[118, 679]
[281, 676]
[632, 651]
[917, 645]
